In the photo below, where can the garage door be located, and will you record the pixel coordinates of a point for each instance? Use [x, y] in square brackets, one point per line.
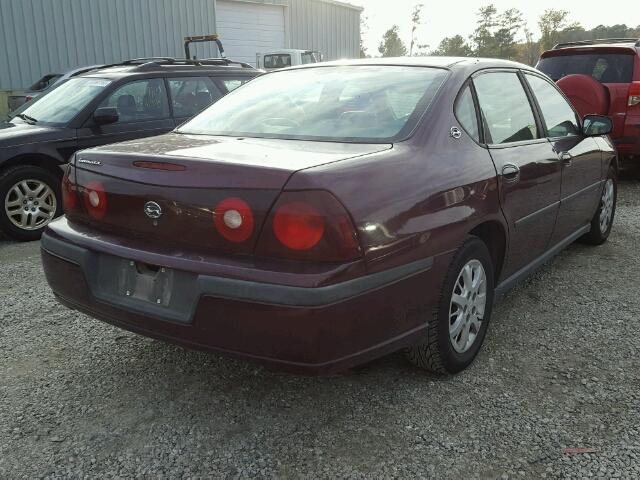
[247, 28]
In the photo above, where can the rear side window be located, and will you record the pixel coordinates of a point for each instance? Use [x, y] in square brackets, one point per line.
[505, 108]
[559, 117]
[233, 83]
[604, 67]
[466, 113]
[192, 95]
[140, 101]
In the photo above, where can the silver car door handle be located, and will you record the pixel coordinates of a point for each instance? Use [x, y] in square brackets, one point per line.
[511, 172]
[566, 158]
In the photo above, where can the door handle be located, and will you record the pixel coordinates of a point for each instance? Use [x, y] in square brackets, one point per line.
[566, 158]
[511, 172]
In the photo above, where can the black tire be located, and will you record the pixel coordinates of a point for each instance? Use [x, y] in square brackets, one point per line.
[11, 177]
[596, 235]
[435, 352]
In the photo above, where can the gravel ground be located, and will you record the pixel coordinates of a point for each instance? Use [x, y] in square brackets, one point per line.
[560, 370]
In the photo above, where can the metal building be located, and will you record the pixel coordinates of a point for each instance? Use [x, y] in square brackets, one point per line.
[50, 36]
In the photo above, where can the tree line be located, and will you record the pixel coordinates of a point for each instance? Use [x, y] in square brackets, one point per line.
[499, 35]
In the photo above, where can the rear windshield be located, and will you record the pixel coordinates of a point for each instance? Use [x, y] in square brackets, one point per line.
[342, 103]
[604, 67]
[277, 61]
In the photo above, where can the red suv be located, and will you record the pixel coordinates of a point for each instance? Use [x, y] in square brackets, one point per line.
[603, 77]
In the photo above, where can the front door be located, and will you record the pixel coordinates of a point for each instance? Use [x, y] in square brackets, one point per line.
[528, 169]
[143, 111]
[580, 157]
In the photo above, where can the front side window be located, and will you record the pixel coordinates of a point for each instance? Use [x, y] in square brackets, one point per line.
[60, 105]
[557, 113]
[466, 113]
[348, 103]
[505, 108]
[140, 101]
[280, 60]
[192, 95]
[308, 57]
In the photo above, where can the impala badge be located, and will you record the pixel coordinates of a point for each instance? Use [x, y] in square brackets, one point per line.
[152, 210]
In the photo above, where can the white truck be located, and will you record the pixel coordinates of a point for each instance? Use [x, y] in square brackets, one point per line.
[287, 57]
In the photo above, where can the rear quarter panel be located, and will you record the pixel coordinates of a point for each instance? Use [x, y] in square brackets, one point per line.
[419, 199]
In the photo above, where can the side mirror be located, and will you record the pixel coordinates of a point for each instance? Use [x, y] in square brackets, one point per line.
[596, 125]
[105, 115]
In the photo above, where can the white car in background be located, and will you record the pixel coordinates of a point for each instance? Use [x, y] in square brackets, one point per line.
[287, 57]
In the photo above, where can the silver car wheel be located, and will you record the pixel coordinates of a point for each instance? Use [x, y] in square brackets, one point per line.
[606, 205]
[30, 204]
[467, 307]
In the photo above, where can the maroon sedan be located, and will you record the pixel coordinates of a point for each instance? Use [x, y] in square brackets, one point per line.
[319, 217]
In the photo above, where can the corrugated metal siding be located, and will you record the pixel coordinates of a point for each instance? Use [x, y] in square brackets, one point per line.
[323, 25]
[330, 28]
[42, 36]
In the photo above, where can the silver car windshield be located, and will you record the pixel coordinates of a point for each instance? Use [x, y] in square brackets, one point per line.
[330, 103]
[60, 105]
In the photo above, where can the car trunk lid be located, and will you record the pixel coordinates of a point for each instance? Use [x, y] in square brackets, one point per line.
[165, 190]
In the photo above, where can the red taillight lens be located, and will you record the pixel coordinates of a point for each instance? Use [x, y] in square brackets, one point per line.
[298, 225]
[309, 225]
[95, 200]
[634, 94]
[233, 219]
[69, 193]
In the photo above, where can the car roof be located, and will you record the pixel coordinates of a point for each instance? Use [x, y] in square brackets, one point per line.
[168, 66]
[285, 50]
[451, 63]
[612, 45]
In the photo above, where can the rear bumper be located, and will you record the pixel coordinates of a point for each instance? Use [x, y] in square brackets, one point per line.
[301, 329]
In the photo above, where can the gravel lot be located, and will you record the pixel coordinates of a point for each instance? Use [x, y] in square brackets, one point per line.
[560, 369]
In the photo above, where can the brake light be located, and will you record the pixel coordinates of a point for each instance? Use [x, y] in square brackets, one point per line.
[634, 94]
[95, 200]
[309, 225]
[69, 193]
[298, 225]
[233, 219]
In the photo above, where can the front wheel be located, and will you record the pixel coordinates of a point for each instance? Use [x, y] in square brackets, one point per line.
[459, 324]
[31, 197]
[602, 220]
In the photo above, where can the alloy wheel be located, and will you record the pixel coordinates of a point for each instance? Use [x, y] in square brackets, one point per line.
[606, 205]
[30, 204]
[467, 307]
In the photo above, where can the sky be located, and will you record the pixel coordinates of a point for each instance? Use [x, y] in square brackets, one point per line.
[448, 18]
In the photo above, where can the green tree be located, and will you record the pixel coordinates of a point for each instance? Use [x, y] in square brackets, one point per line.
[551, 24]
[415, 22]
[455, 46]
[364, 28]
[391, 44]
[509, 24]
[482, 37]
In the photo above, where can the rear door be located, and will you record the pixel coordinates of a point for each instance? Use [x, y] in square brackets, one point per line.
[528, 169]
[580, 157]
[143, 109]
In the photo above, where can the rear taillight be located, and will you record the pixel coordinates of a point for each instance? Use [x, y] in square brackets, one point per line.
[95, 200]
[233, 219]
[69, 193]
[309, 225]
[634, 94]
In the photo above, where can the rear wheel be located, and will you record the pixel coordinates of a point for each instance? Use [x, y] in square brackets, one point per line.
[459, 324]
[30, 198]
[602, 220]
